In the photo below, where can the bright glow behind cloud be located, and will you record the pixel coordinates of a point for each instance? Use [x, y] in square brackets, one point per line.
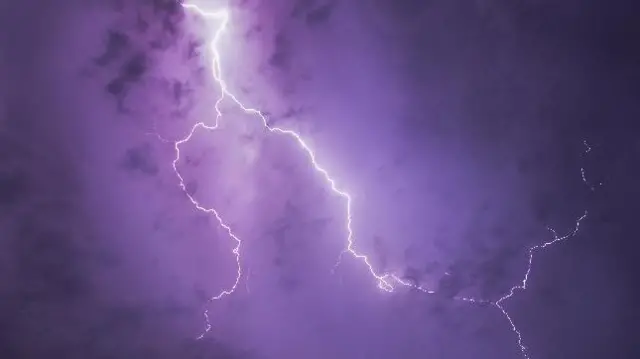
[219, 19]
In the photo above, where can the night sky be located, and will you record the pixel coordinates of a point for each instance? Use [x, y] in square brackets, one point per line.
[465, 132]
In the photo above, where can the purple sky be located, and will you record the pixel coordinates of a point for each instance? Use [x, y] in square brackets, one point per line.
[457, 128]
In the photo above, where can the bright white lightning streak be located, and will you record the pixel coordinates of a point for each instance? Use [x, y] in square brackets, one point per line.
[386, 281]
[222, 16]
[523, 284]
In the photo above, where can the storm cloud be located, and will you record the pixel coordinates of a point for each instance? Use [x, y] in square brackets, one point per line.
[458, 128]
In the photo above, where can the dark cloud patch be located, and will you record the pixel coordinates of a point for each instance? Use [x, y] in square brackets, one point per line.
[164, 42]
[391, 17]
[319, 15]
[49, 263]
[134, 68]
[169, 15]
[117, 44]
[543, 205]
[312, 12]
[289, 282]
[403, 8]
[194, 49]
[166, 7]
[281, 56]
[131, 47]
[450, 285]
[142, 25]
[181, 91]
[301, 7]
[116, 87]
[280, 232]
[213, 349]
[141, 159]
[495, 272]
[129, 74]
[178, 90]
[117, 5]
[290, 250]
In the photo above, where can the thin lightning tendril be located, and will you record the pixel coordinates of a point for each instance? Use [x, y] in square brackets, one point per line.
[222, 16]
[523, 284]
[582, 170]
[385, 281]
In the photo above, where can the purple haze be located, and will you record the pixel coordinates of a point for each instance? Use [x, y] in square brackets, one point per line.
[435, 117]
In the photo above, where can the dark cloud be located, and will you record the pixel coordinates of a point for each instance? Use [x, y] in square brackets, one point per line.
[48, 263]
[194, 49]
[319, 15]
[281, 57]
[117, 45]
[141, 159]
[130, 73]
[166, 7]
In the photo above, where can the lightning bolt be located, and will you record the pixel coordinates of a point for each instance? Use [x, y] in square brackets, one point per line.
[532, 250]
[385, 281]
[523, 284]
[222, 17]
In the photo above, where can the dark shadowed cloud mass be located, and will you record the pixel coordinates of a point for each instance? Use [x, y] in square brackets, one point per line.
[458, 128]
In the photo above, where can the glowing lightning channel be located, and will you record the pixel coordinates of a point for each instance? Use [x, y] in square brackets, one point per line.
[532, 250]
[386, 281]
[222, 16]
[523, 284]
